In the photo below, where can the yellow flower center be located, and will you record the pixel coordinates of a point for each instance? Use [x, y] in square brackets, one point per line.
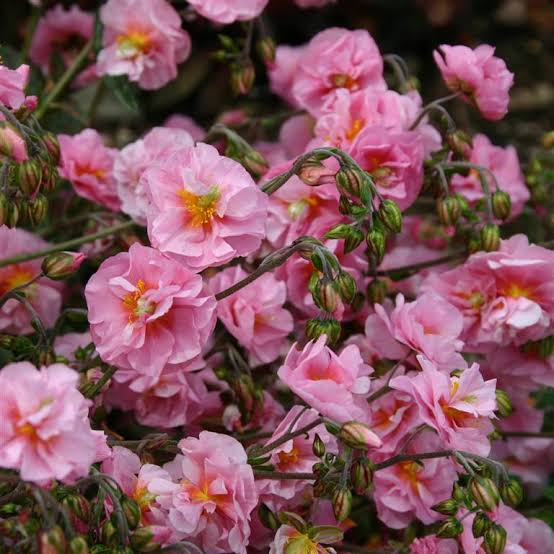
[408, 471]
[515, 290]
[14, 278]
[202, 494]
[342, 80]
[297, 209]
[288, 458]
[134, 42]
[143, 497]
[135, 304]
[201, 208]
[356, 127]
[87, 170]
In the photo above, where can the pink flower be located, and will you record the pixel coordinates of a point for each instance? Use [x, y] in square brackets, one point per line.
[44, 295]
[12, 86]
[186, 123]
[333, 385]
[142, 39]
[206, 209]
[504, 164]
[294, 136]
[336, 59]
[458, 408]
[45, 433]
[12, 144]
[407, 490]
[229, 11]
[88, 165]
[537, 537]
[479, 75]
[505, 296]
[431, 544]
[283, 71]
[133, 160]
[64, 33]
[212, 493]
[430, 326]
[288, 539]
[255, 315]
[146, 313]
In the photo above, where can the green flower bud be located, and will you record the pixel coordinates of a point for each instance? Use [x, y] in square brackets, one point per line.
[268, 518]
[448, 507]
[49, 178]
[142, 540]
[495, 539]
[77, 505]
[484, 492]
[323, 326]
[490, 237]
[52, 541]
[376, 243]
[293, 519]
[4, 208]
[377, 290]
[318, 446]
[361, 475]
[354, 239]
[345, 285]
[349, 181]
[358, 436]
[243, 75]
[450, 528]
[460, 143]
[266, 49]
[340, 231]
[449, 210]
[13, 215]
[342, 503]
[481, 524]
[501, 204]
[37, 210]
[512, 492]
[503, 403]
[108, 533]
[390, 215]
[61, 265]
[78, 545]
[29, 176]
[132, 511]
[327, 297]
[344, 205]
[52, 144]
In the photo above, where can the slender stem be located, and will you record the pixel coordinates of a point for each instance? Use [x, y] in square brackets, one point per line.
[399, 68]
[65, 79]
[260, 474]
[435, 104]
[288, 436]
[29, 34]
[536, 435]
[412, 458]
[32, 312]
[97, 387]
[67, 245]
[347, 463]
[455, 256]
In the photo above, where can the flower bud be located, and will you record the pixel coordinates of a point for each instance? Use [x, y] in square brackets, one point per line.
[268, 518]
[449, 210]
[323, 326]
[4, 208]
[495, 539]
[29, 176]
[52, 145]
[78, 545]
[254, 163]
[266, 49]
[108, 533]
[37, 209]
[448, 507]
[242, 77]
[307, 245]
[358, 436]
[77, 505]
[344, 205]
[353, 240]
[345, 285]
[361, 475]
[53, 541]
[340, 231]
[481, 524]
[377, 290]
[460, 143]
[501, 204]
[376, 242]
[548, 140]
[13, 215]
[60, 265]
[293, 519]
[458, 493]
[342, 503]
[450, 528]
[349, 180]
[313, 173]
[318, 446]
[132, 511]
[49, 178]
[142, 540]
[503, 403]
[512, 492]
[484, 492]
[12, 143]
[390, 215]
[327, 297]
[490, 237]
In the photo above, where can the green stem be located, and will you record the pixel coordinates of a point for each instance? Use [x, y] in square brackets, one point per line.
[260, 474]
[412, 458]
[65, 79]
[455, 256]
[435, 105]
[287, 437]
[67, 245]
[97, 387]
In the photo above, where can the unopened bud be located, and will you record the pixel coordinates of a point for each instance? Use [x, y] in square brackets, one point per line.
[450, 528]
[448, 507]
[449, 210]
[340, 231]
[342, 503]
[458, 493]
[254, 163]
[495, 539]
[313, 173]
[358, 436]
[346, 286]
[376, 242]
[490, 237]
[109, 533]
[4, 208]
[512, 492]
[29, 176]
[37, 209]
[474, 244]
[361, 475]
[344, 205]
[61, 265]
[323, 326]
[52, 145]
[132, 511]
[49, 178]
[77, 505]
[460, 143]
[390, 215]
[268, 518]
[78, 545]
[481, 524]
[266, 50]
[142, 540]
[242, 77]
[52, 541]
[327, 298]
[501, 204]
[484, 492]
[349, 180]
[318, 446]
[503, 403]
[377, 290]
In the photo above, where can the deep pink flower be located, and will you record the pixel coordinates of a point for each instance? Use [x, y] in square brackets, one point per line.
[229, 11]
[431, 544]
[88, 165]
[283, 70]
[45, 432]
[205, 208]
[146, 313]
[479, 75]
[212, 493]
[255, 315]
[142, 39]
[44, 295]
[334, 385]
[12, 86]
[504, 164]
[336, 59]
[458, 408]
[64, 33]
[133, 160]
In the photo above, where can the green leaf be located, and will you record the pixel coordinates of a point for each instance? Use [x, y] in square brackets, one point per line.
[125, 92]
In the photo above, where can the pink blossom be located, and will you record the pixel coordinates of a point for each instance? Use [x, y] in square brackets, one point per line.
[66, 345]
[336, 59]
[394, 160]
[431, 544]
[212, 493]
[504, 164]
[64, 33]
[88, 165]
[430, 326]
[229, 11]
[142, 39]
[146, 313]
[44, 295]
[479, 75]
[538, 537]
[458, 408]
[255, 315]
[206, 209]
[295, 135]
[12, 86]
[283, 70]
[45, 432]
[407, 490]
[12, 144]
[186, 123]
[133, 160]
[334, 385]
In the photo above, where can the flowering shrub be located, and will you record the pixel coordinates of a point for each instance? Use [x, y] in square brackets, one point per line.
[321, 323]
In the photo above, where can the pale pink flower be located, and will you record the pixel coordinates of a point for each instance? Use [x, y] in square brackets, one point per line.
[458, 408]
[229, 11]
[44, 295]
[45, 432]
[538, 537]
[88, 165]
[63, 33]
[186, 123]
[430, 326]
[12, 86]
[133, 160]
[407, 490]
[334, 385]
[148, 312]
[254, 315]
[336, 58]
[394, 159]
[12, 144]
[505, 296]
[66, 345]
[431, 544]
[142, 39]
[504, 164]
[283, 70]
[205, 208]
[480, 76]
[212, 493]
